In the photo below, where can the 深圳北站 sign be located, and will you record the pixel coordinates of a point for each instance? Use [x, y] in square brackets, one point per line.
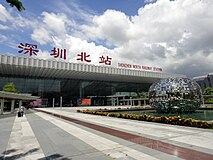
[32, 49]
[139, 67]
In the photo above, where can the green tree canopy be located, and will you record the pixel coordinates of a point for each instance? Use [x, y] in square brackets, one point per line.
[16, 3]
[143, 95]
[208, 91]
[10, 87]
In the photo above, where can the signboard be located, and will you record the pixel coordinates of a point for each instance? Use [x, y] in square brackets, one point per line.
[32, 49]
[85, 101]
[139, 67]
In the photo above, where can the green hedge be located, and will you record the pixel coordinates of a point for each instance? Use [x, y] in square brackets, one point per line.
[208, 101]
[175, 120]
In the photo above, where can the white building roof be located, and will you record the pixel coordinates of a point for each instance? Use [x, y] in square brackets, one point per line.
[19, 96]
[199, 77]
[32, 67]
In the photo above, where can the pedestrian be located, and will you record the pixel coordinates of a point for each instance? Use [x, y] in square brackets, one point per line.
[22, 111]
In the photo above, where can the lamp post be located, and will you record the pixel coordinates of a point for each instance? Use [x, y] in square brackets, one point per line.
[61, 102]
[53, 102]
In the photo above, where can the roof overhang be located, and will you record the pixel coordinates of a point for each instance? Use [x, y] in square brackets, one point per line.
[17, 96]
[31, 67]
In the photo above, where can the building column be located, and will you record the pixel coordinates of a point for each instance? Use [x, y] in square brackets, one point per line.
[113, 101]
[117, 102]
[144, 102]
[139, 102]
[61, 101]
[12, 106]
[53, 102]
[130, 101]
[20, 104]
[81, 87]
[2, 106]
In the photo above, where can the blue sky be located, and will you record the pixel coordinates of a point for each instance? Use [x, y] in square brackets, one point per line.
[36, 8]
[174, 35]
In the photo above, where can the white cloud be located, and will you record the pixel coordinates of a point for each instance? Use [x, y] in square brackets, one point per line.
[75, 46]
[165, 33]
[51, 25]
[41, 35]
[2, 38]
[54, 29]
[74, 11]
[149, 1]
[4, 17]
[55, 22]
[3, 27]
[43, 55]
[10, 21]
[4, 14]
[113, 26]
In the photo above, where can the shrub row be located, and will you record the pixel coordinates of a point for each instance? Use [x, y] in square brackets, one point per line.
[208, 101]
[174, 120]
[119, 108]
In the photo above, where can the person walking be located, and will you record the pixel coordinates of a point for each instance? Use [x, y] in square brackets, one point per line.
[22, 111]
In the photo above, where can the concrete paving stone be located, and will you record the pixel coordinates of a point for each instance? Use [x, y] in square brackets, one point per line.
[58, 143]
[99, 142]
[56, 140]
[47, 148]
[34, 156]
[84, 148]
[91, 156]
[161, 131]
[189, 146]
[6, 124]
[165, 157]
[68, 150]
[197, 140]
[16, 142]
[138, 147]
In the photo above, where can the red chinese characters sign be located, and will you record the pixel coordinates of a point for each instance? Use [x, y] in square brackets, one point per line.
[31, 49]
[28, 48]
[83, 57]
[61, 53]
[106, 60]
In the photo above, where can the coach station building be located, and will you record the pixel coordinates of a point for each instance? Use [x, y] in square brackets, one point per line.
[50, 79]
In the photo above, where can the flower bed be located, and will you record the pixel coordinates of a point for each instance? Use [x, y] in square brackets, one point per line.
[174, 120]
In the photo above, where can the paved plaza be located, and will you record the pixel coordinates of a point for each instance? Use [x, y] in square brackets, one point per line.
[64, 134]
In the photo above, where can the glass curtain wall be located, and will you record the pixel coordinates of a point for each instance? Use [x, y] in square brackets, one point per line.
[72, 90]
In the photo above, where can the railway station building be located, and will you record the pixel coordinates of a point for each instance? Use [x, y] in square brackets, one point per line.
[75, 82]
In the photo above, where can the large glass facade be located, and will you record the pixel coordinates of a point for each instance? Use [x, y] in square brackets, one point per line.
[72, 90]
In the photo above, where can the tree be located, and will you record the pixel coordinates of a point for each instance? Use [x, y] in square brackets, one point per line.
[208, 91]
[133, 95]
[143, 95]
[16, 3]
[10, 87]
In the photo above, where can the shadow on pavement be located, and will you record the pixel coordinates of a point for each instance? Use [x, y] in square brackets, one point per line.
[7, 115]
[5, 155]
[16, 156]
[56, 157]
[9, 151]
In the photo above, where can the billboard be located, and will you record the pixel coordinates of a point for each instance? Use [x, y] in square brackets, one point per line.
[85, 101]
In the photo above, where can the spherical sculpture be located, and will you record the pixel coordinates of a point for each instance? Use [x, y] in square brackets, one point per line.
[175, 95]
